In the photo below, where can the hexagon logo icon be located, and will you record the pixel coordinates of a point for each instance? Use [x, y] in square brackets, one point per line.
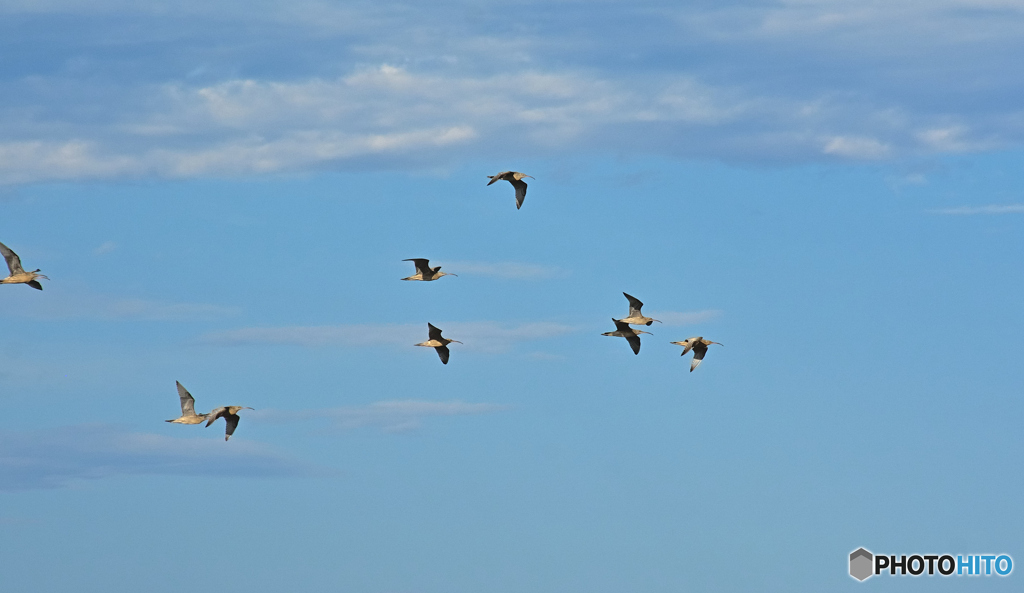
[860, 564]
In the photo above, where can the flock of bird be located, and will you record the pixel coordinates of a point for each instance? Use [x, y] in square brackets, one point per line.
[435, 340]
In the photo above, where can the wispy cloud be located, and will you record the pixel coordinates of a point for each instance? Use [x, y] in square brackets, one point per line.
[315, 336]
[485, 336]
[688, 317]
[105, 248]
[389, 416]
[163, 311]
[58, 457]
[510, 270]
[494, 337]
[888, 23]
[991, 209]
[85, 305]
[856, 147]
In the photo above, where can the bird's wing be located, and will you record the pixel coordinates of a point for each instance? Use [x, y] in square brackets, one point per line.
[188, 403]
[433, 333]
[620, 325]
[35, 284]
[231, 423]
[13, 261]
[634, 343]
[443, 353]
[214, 414]
[699, 350]
[422, 265]
[520, 192]
[634, 305]
[687, 346]
[498, 177]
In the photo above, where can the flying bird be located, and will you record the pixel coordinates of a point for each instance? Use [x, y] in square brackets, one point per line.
[188, 408]
[635, 316]
[230, 416]
[622, 330]
[424, 272]
[516, 179]
[438, 343]
[699, 346]
[18, 274]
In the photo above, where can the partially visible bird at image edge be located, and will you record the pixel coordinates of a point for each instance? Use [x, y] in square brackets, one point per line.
[18, 274]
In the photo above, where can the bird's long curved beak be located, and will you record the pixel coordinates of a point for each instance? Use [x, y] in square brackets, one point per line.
[640, 331]
[458, 342]
[658, 320]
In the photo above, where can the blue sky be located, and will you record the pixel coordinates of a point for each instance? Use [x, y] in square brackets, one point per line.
[222, 194]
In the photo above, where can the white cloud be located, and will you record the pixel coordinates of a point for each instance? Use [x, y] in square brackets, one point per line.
[24, 162]
[411, 86]
[58, 457]
[389, 416]
[856, 147]
[953, 139]
[35, 160]
[251, 126]
[992, 209]
[486, 336]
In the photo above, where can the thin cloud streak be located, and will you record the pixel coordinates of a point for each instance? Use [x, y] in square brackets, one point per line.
[973, 210]
[485, 336]
[677, 318]
[61, 456]
[388, 416]
[93, 306]
[855, 147]
[509, 270]
[105, 248]
[317, 336]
